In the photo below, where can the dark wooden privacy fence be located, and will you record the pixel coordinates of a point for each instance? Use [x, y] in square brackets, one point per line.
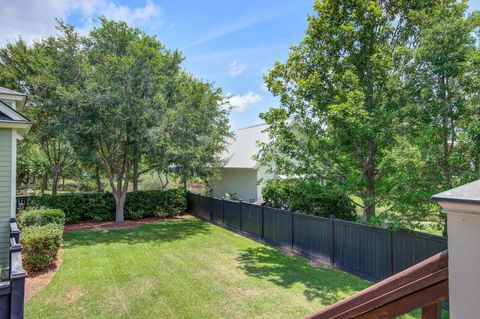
[368, 252]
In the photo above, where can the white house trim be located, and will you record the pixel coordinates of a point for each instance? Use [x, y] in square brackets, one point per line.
[11, 113]
[13, 178]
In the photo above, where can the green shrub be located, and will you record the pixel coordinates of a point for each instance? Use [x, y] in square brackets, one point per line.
[308, 196]
[78, 206]
[40, 245]
[150, 203]
[41, 217]
[101, 206]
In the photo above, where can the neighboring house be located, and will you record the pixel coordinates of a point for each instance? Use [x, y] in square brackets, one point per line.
[241, 174]
[13, 126]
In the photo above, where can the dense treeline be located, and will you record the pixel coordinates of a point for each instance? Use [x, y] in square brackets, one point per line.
[112, 105]
[380, 102]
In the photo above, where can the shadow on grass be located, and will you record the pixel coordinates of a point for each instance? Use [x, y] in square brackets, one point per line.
[326, 285]
[154, 233]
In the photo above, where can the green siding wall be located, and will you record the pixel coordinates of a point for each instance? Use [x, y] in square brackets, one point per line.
[5, 193]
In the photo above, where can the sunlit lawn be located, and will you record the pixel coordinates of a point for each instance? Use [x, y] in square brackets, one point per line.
[184, 269]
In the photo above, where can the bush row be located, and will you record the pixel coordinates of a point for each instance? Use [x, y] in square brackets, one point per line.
[309, 196]
[41, 217]
[101, 206]
[41, 237]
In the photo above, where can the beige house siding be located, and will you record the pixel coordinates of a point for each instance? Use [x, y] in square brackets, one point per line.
[262, 177]
[247, 183]
[242, 181]
[6, 139]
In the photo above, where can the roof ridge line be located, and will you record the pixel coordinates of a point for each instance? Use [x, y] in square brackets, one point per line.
[243, 128]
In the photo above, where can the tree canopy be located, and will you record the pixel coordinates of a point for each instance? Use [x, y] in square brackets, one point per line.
[116, 100]
[362, 85]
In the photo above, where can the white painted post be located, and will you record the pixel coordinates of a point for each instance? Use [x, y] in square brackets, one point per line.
[462, 206]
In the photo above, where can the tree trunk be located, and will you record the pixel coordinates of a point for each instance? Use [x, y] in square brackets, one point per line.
[119, 196]
[369, 176]
[34, 183]
[55, 179]
[135, 176]
[369, 209]
[163, 184]
[98, 180]
[44, 184]
[135, 182]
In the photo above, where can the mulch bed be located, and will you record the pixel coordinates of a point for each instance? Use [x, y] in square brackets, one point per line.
[126, 224]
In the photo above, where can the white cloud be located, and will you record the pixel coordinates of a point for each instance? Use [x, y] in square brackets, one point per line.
[246, 21]
[237, 68]
[243, 102]
[33, 20]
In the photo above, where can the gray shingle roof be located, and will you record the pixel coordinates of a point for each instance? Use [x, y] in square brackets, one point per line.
[468, 193]
[244, 145]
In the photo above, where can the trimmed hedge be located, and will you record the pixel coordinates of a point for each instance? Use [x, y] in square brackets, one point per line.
[41, 217]
[151, 203]
[40, 245]
[101, 206]
[308, 196]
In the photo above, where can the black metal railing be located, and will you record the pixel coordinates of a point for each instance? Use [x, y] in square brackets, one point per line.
[12, 290]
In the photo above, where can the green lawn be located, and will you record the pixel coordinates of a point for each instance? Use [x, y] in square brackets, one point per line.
[184, 269]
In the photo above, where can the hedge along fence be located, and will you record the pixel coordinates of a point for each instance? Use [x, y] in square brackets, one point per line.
[101, 206]
[368, 252]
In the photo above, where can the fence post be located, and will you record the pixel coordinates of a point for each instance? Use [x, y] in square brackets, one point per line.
[263, 221]
[197, 210]
[14, 232]
[17, 288]
[17, 274]
[223, 210]
[240, 203]
[293, 237]
[211, 208]
[332, 240]
[390, 252]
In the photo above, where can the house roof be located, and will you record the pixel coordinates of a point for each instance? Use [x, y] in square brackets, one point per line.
[468, 193]
[10, 92]
[7, 114]
[244, 145]
[11, 95]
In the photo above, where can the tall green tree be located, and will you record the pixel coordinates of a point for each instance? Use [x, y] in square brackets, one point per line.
[342, 87]
[50, 71]
[123, 99]
[199, 127]
[442, 116]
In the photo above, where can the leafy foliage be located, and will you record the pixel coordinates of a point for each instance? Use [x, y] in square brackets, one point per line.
[40, 245]
[380, 100]
[101, 206]
[113, 103]
[78, 206]
[154, 203]
[308, 196]
[41, 217]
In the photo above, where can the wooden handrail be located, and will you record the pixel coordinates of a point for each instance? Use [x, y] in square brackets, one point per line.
[423, 285]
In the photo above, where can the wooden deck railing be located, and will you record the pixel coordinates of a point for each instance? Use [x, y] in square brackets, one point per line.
[424, 285]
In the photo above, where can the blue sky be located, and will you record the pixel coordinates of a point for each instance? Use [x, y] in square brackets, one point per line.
[231, 43]
[234, 44]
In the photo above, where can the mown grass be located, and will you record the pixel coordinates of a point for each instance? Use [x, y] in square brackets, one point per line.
[184, 269]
